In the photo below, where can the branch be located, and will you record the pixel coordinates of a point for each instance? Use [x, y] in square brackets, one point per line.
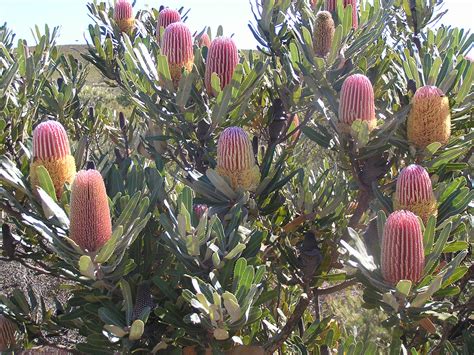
[277, 341]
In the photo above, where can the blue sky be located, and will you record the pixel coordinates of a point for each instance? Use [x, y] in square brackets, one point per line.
[234, 15]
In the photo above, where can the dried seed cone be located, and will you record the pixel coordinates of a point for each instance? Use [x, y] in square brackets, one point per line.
[356, 102]
[402, 248]
[165, 18]
[90, 226]
[123, 15]
[7, 333]
[323, 33]
[235, 159]
[204, 40]
[429, 120]
[178, 47]
[331, 5]
[222, 59]
[51, 150]
[414, 192]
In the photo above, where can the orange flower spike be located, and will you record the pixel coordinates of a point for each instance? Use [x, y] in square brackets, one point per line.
[90, 226]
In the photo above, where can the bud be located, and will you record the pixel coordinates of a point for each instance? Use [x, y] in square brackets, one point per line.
[123, 15]
[7, 333]
[414, 192]
[323, 33]
[90, 226]
[331, 5]
[51, 150]
[204, 40]
[429, 120]
[402, 248]
[235, 159]
[165, 18]
[178, 47]
[356, 102]
[199, 210]
[222, 59]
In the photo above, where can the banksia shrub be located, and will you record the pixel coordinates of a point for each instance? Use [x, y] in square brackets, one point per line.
[235, 159]
[178, 47]
[204, 40]
[403, 255]
[429, 120]
[90, 226]
[123, 15]
[7, 333]
[414, 192]
[51, 150]
[331, 5]
[165, 18]
[356, 102]
[323, 33]
[222, 59]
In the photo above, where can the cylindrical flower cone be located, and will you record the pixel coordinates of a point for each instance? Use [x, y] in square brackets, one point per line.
[415, 193]
[403, 255]
[204, 40]
[429, 120]
[331, 5]
[356, 102]
[90, 226]
[222, 59]
[323, 33]
[123, 15]
[165, 18]
[178, 48]
[51, 150]
[235, 159]
[8, 329]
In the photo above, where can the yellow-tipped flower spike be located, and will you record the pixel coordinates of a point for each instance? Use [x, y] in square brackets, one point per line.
[91, 226]
[429, 120]
[178, 48]
[51, 150]
[414, 192]
[323, 33]
[123, 15]
[235, 159]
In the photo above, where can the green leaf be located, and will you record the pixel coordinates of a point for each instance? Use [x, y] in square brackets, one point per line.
[45, 182]
[232, 306]
[86, 266]
[455, 246]
[316, 137]
[425, 295]
[404, 287]
[137, 329]
[438, 249]
[127, 297]
[215, 84]
[428, 235]
[108, 249]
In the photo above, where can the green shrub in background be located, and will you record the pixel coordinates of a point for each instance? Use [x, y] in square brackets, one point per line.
[195, 262]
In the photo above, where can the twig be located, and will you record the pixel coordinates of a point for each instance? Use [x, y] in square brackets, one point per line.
[332, 289]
